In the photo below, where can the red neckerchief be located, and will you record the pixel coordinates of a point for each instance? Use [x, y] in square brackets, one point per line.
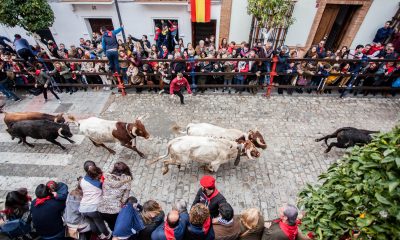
[102, 179]
[169, 232]
[290, 231]
[73, 68]
[40, 201]
[165, 54]
[37, 72]
[109, 33]
[7, 211]
[206, 226]
[209, 198]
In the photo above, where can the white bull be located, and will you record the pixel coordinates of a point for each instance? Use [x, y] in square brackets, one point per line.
[206, 150]
[210, 130]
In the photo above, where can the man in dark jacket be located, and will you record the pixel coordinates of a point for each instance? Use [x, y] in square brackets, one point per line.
[110, 47]
[173, 228]
[209, 196]
[6, 47]
[47, 214]
[383, 33]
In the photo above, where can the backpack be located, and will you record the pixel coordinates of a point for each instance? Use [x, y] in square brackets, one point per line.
[17, 228]
[396, 83]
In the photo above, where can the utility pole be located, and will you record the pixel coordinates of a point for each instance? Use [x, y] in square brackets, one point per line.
[120, 19]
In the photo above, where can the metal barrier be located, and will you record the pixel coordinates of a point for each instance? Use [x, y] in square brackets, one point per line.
[272, 74]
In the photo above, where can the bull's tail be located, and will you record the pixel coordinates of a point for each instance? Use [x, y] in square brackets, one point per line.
[73, 119]
[159, 158]
[177, 129]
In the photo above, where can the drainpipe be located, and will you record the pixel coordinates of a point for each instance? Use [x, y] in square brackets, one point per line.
[120, 19]
[251, 31]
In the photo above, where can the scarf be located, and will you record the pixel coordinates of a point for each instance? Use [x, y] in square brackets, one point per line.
[40, 201]
[73, 68]
[7, 211]
[208, 199]
[225, 222]
[206, 226]
[289, 231]
[169, 232]
[109, 33]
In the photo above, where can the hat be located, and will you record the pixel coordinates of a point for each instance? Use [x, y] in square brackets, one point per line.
[207, 182]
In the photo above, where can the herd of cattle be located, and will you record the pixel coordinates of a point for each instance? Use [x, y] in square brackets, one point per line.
[202, 142]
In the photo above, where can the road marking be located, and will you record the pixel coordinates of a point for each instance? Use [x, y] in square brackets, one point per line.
[5, 137]
[35, 158]
[10, 183]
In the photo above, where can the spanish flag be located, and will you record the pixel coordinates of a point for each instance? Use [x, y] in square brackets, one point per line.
[201, 10]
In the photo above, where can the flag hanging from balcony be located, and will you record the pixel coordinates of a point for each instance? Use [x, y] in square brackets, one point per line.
[201, 10]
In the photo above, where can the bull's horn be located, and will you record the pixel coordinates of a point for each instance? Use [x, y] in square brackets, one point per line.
[59, 132]
[260, 143]
[248, 153]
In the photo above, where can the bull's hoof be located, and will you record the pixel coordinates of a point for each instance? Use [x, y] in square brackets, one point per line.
[19, 142]
[72, 141]
[30, 145]
[63, 148]
[165, 170]
[141, 155]
[326, 151]
[317, 140]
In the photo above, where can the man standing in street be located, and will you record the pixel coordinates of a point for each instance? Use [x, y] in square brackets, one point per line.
[209, 196]
[110, 47]
[176, 86]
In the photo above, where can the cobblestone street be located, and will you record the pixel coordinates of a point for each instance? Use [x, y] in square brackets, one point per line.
[289, 126]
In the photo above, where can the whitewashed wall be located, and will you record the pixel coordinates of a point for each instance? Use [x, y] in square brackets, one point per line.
[240, 22]
[379, 12]
[304, 13]
[9, 33]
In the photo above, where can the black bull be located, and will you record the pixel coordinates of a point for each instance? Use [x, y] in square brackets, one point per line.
[40, 129]
[347, 137]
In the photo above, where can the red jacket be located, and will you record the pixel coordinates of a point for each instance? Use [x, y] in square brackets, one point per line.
[176, 85]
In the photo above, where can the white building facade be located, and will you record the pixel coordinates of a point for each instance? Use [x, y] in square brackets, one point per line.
[343, 22]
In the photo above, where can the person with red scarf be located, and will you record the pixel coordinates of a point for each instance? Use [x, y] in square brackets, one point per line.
[173, 228]
[209, 195]
[47, 214]
[286, 227]
[200, 225]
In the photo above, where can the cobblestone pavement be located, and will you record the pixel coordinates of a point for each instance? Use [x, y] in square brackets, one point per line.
[289, 126]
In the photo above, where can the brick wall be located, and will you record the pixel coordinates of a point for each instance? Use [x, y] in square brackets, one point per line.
[225, 21]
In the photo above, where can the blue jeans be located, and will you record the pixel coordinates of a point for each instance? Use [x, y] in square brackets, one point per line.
[58, 236]
[9, 94]
[268, 69]
[112, 56]
[239, 80]
[124, 76]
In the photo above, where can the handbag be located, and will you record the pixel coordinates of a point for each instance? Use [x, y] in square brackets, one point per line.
[36, 91]
[301, 81]
[396, 83]
[71, 232]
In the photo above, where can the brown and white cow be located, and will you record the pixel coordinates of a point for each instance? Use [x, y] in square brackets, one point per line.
[210, 130]
[210, 151]
[101, 131]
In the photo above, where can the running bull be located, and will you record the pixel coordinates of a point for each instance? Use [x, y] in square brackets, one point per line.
[207, 150]
[210, 130]
[100, 131]
[40, 129]
[347, 137]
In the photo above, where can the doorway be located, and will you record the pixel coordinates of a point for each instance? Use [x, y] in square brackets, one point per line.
[334, 24]
[45, 35]
[201, 31]
[97, 23]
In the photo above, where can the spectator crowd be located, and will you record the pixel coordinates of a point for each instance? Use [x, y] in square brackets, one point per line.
[102, 206]
[128, 57]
